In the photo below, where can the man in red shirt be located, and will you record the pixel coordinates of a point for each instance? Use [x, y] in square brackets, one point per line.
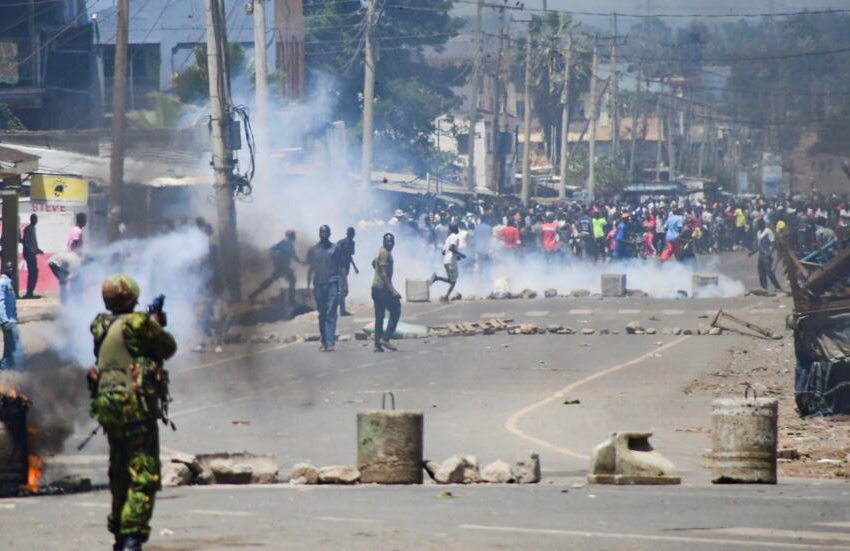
[549, 237]
[510, 235]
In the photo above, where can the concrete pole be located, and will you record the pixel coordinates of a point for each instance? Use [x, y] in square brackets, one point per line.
[119, 92]
[368, 101]
[496, 179]
[11, 223]
[591, 160]
[635, 112]
[659, 129]
[615, 117]
[565, 120]
[473, 100]
[262, 90]
[526, 151]
[228, 261]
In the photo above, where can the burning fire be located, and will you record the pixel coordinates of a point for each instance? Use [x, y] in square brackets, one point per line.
[34, 474]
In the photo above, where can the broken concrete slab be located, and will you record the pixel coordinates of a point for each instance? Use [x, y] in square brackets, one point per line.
[451, 470]
[528, 294]
[175, 474]
[306, 471]
[339, 474]
[471, 474]
[579, 293]
[628, 458]
[588, 331]
[239, 468]
[550, 292]
[431, 467]
[497, 472]
[633, 326]
[526, 468]
[613, 285]
[189, 460]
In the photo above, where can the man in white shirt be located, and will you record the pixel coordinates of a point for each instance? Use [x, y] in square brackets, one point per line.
[766, 246]
[451, 254]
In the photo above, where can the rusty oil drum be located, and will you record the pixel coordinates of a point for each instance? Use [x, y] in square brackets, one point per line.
[743, 440]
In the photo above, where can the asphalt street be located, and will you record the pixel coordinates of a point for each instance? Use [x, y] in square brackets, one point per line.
[491, 396]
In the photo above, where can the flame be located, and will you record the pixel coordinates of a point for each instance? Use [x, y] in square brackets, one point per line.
[34, 474]
[12, 394]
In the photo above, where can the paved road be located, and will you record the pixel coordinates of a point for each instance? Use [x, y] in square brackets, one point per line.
[491, 396]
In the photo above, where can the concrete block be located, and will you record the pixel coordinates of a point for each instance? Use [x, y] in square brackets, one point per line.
[497, 472]
[743, 440]
[417, 290]
[308, 472]
[451, 470]
[613, 285]
[339, 474]
[526, 468]
[175, 474]
[702, 284]
[628, 458]
[239, 468]
[389, 446]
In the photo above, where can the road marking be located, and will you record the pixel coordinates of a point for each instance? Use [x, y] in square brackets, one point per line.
[648, 537]
[761, 310]
[493, 314]
[511, 423]
[672, 312]
[580, 312]
[77, 459]
[362, 320]
[537, 313]
[779, 533]
[234, 358]
[93, 505]
[834, 524]
[213, 512]
[346, 519]
[628, 311]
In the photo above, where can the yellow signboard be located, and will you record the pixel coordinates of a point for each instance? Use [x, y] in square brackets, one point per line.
[59, 189]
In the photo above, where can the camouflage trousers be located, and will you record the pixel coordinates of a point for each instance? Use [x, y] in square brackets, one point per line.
[134, 465]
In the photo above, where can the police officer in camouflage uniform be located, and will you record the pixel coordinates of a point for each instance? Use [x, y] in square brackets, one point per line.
[129, 388]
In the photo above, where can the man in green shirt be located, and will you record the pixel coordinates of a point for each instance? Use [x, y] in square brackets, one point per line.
[599, 224]
[385, 296]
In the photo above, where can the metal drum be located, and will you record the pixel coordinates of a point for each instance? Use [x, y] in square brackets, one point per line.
[743, 440]
[389, 446]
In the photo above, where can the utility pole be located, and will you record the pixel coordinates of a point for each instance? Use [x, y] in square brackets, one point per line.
[659, 130]
[565, 120]
[635, 113]
[497, 86]
[615, 117]
[671, 148]
[262, 91]
[222, 155]
[526, 151]
[473, 107]
[591, 159]
[119, 93]
[368, 101]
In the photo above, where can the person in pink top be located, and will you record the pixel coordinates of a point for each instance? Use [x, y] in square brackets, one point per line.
[648, 247]
[75, 240]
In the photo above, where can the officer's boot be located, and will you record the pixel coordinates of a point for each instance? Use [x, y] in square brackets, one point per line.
[132, 542]
[119, 544]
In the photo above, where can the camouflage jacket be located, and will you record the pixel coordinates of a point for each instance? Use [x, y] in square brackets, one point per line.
[147, 344]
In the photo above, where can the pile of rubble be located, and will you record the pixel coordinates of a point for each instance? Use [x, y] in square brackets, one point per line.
[457, 469]
[492, 326]
[219, 468]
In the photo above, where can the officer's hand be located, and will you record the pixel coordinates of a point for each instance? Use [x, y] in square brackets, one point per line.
[160, 318]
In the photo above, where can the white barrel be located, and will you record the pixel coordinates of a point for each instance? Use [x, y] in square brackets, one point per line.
[743, 440]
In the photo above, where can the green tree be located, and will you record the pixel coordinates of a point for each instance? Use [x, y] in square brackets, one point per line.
[410, 92]
[8, 120]
[192, 84]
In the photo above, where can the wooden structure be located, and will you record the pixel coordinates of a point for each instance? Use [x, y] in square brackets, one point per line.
[14, 166]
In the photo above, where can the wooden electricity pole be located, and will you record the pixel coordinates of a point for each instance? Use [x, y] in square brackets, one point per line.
[368, 100]
[565, 120]
[659, 130]
[119, 92]
[473, 100]
[635, 112]
[594, 102]
[222, 155]
[526, 151]
[615, 116]
[262, 91]
[497, 85]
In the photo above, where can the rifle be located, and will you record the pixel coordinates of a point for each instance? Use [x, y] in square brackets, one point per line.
[161, 383]
[85, 442]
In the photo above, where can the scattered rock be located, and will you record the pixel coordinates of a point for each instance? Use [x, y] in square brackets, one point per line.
[339, 474]
[788, 453]
[528, 293]
[579, 293]
[431, 467]
[74, 483]
[588, 331]
[703, 329]
[175, 474]
[526, 468]
[632, 327]
[361, 336]
[232, 337]
[305, 471]
[688, 332]
[312, 337]
[605, 331]
[635, 293]
[571, 401]
[497, 472]
[471, 475]
[676, 331]
[550, 293]
[528, 329]
[640, 331]
[345, 338]
[189, 460]
[615, 332]
[567, 331]
[239, 468]
[756, 292]
[715, 331]
[456, 296]
[554, 328]
[651, 330]
[451, 470]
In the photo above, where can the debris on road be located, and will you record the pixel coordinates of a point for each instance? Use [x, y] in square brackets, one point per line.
[628, 458]
[339, 474]
[497, 472]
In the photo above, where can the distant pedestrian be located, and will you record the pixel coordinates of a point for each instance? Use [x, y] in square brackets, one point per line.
[31, 252]
[63, 265]
[451, 254]
[282, 254]
[347, 246]
[13, 353]
[766, 245]
[327, 275]
[385, 296]
[75, 240]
